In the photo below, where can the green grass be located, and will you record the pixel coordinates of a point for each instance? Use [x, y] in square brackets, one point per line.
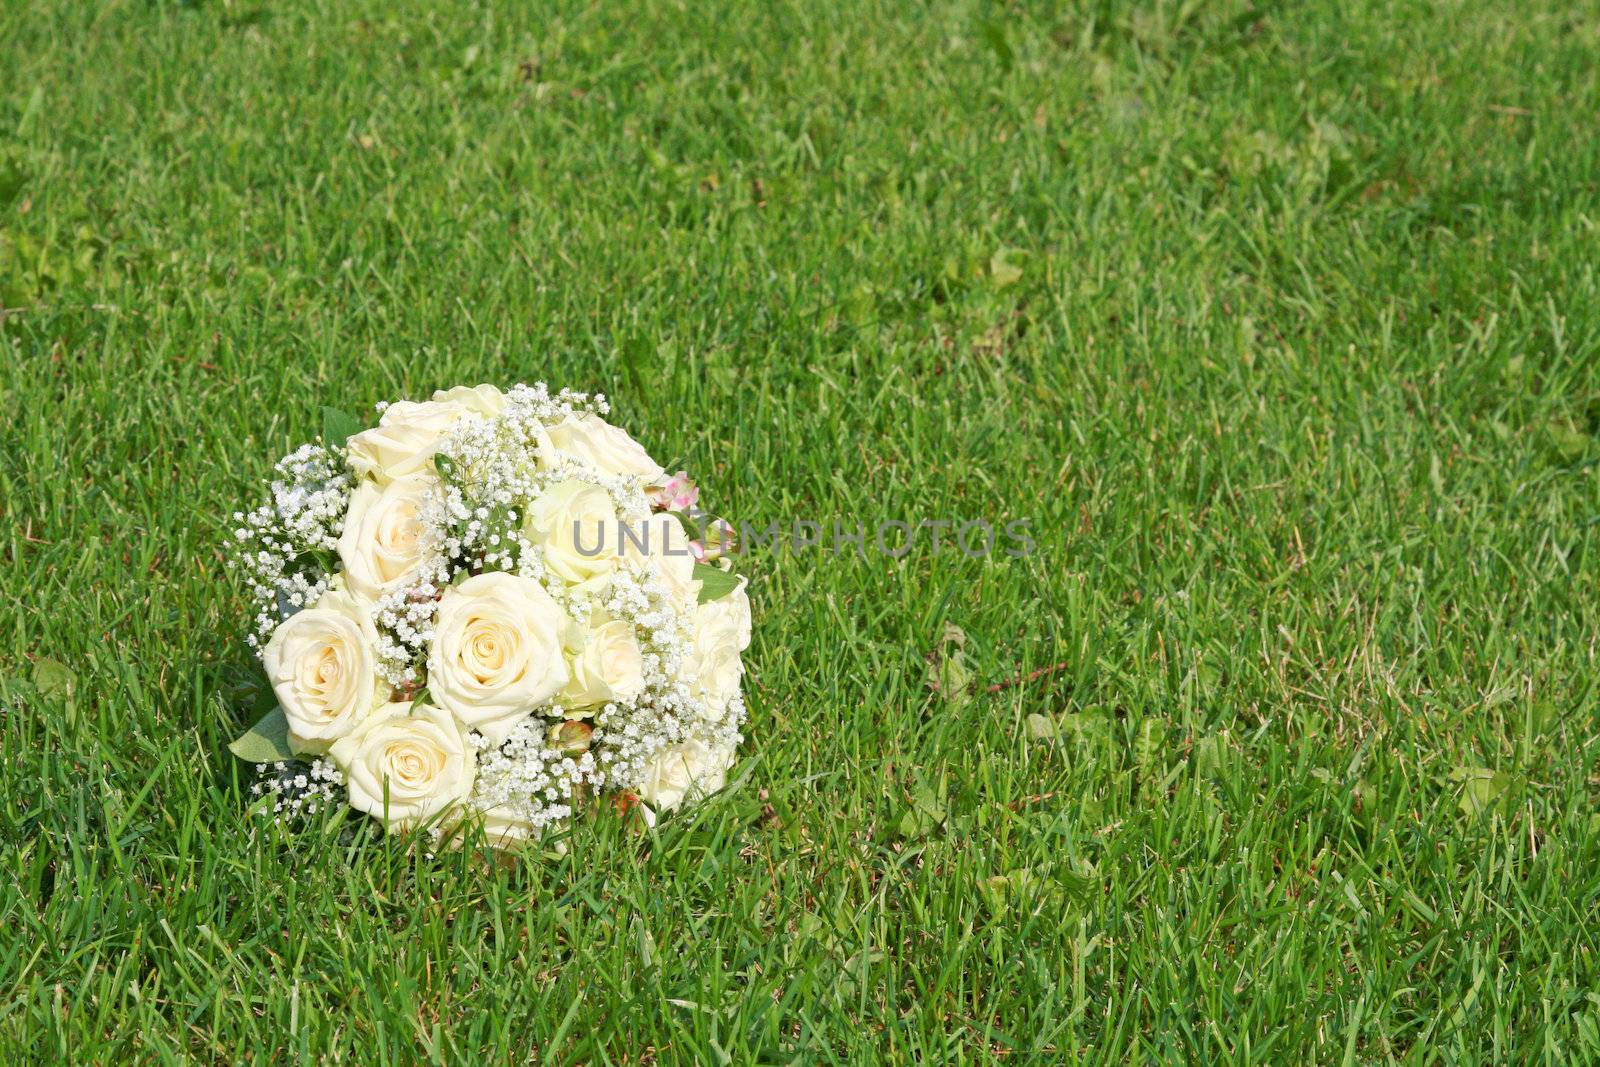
[1279, 322]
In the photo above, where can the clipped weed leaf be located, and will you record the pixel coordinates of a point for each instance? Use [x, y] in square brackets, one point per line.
[1567, 442]
[923, 814]
[1005, 267]
[948, 673]
[12, 179]
[53, 679]
[1481, 790]
[994, 35]
[1208, 756]
[1147, 746]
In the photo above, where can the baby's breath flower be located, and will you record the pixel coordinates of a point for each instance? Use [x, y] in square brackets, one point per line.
[286, 547]
[299, 789]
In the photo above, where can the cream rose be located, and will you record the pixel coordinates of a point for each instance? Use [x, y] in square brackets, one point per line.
[684, 771]
[497, 652]
[610, 667]
[483, 400]
[661, 544]
[410, 432]
[722, 631]
[503, 828]
[406, 766]
[605, 447]
[405, 439]
[383, 544]
[576, 525]
[323, 666]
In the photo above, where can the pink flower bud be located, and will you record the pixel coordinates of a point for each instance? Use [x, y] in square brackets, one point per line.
[679, 494]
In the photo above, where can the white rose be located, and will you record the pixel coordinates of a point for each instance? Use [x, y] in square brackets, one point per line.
[576, 525]
[609, 668]
[383, 544]
[722, 631]
[323, 666]
[661, 544]
[405, 439]
[406, 766]
[684, 771]
[496, 652]
[483, 400]
[503, 828]
[603, 446]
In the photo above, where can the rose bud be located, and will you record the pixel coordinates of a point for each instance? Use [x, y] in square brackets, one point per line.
[571, 738]
[720, 540]
[634, 811]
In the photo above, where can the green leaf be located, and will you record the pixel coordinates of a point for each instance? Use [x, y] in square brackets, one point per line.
[716, 583]
[646, 943]
[1146, 748]
[924, 799]
[1079, 886]
[925, 812]
[31, 112]
[691, 525]
[1482, 789]
[52, 678]
[914, 823]
[265, 742]
[1041, 727]
[12, 179]
[949, 675]
[1005, 267]
[1208, 756]
[994, 35]
[318, 559]
[419, 700]
[1090, 726]
[1567, 442]
[338, 427]
[998, 889]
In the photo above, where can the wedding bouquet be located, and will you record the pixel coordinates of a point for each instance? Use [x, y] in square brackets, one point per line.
[490, 608]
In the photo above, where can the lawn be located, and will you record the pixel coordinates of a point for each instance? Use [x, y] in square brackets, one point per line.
[1278, 323]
